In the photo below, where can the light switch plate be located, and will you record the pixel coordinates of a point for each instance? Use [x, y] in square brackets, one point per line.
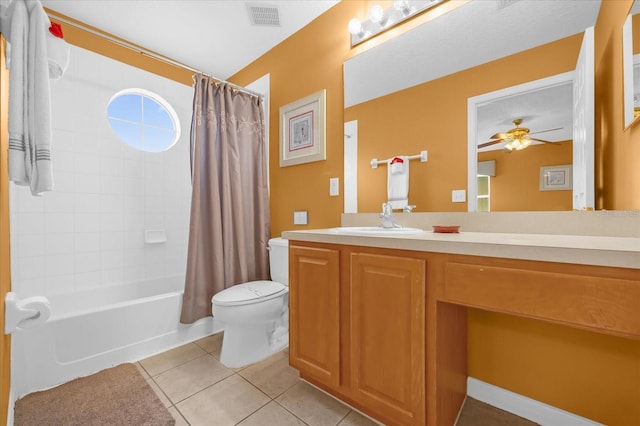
[334, 186]
[300, 217]
[458, 196]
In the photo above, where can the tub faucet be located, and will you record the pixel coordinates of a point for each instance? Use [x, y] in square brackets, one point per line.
[387, 217]
[408, 209]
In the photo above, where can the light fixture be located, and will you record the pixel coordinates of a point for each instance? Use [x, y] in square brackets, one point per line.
[380, 20]
[518, 144]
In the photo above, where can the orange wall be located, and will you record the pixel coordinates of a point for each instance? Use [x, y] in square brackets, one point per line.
[516, 185]
[592, 375]
[617, 149]
[406, 122]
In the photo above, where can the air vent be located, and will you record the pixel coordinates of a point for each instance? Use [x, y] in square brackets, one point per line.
[263, 15]
[504, 3]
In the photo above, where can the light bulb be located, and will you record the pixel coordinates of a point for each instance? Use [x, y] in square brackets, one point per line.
[402, 6]
[355, 26]
[376, 13]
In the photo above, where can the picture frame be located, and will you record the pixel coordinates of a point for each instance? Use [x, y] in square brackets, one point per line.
[556, 178]
[302, 130]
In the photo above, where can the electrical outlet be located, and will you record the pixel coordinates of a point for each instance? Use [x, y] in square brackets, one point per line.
[300, 217]
[334, 187]
[458, 196]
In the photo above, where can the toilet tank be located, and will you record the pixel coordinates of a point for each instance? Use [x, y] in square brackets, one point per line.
[279, 260]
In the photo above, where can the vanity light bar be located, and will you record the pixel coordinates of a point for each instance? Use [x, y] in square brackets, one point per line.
[381, 20]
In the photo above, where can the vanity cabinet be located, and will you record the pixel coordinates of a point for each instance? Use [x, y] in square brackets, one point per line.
[314, 313]
[357, 328]
[387, 335]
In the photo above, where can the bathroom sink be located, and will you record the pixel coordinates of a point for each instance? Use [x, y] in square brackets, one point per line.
[375, 230]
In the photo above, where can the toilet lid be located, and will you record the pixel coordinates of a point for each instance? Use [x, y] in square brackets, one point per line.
[250, 292]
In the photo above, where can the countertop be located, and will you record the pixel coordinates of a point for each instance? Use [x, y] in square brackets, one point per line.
[586, 250]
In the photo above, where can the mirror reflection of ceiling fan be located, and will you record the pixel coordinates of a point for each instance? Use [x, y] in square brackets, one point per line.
[517, 138]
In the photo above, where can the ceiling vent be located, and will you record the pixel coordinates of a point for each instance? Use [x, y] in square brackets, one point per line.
[504, 3]
[263, 15]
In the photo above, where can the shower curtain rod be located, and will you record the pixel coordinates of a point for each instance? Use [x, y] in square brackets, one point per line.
[149, 53]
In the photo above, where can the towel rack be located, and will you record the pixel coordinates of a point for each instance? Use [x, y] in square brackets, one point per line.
[422, 156]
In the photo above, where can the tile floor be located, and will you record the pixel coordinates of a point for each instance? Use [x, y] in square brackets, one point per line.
[198, 390]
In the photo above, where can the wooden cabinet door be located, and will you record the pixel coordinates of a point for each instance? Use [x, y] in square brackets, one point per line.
[314, 309]
[388, 336]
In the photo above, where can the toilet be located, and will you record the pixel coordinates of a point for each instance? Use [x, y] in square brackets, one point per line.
[256, 314]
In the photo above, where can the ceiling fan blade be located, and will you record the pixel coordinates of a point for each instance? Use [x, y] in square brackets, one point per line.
[507, 151]
[548, 130]
[500, 136]
[486, 144]
[540, 140]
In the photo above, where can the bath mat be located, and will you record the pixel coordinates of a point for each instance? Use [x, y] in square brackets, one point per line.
[115, 396]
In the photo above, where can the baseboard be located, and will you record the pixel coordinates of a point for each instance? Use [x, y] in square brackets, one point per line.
[524, 407]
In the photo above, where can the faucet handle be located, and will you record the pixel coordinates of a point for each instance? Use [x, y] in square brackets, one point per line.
[408, 208]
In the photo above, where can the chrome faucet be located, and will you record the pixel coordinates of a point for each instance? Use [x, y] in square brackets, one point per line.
[387, 217]
[408, 208]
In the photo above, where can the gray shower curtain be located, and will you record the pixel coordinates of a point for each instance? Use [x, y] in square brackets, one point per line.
[230, 223]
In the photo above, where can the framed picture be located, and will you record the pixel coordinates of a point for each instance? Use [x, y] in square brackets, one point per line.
[302, 130]
[556, 178]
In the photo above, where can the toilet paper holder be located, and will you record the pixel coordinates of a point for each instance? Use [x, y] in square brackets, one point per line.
[25, 313]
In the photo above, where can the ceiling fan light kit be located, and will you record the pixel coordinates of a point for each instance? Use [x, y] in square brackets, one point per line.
[516, 139]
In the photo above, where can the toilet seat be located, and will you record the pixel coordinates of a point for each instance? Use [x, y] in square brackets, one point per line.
[248, 293]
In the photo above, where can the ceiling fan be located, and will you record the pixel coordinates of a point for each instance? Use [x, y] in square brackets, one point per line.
[517, 138]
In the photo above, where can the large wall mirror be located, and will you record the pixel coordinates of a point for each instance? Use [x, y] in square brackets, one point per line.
[631, 65]
[423, 55]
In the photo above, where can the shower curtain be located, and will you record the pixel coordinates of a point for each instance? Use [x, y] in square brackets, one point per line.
[230, 223]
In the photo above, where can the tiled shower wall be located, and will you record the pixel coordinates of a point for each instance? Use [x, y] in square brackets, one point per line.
[89, 232]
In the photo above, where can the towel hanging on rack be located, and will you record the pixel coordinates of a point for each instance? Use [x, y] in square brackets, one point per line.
[398, 182]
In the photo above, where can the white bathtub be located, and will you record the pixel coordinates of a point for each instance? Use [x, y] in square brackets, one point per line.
[97, 329]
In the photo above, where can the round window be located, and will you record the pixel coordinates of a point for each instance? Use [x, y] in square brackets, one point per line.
[143, 120]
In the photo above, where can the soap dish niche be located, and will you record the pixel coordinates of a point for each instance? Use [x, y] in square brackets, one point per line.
[155, 236]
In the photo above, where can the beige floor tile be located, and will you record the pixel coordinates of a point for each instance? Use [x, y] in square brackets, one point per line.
[313, 406]
[272, 414]
[272, 376]
[172, 358]
[187, 379]
[163, 397]
[356, 419]
[223, 404]
[212, 344]
[180, 421]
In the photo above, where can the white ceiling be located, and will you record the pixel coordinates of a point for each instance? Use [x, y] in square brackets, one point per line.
[213, 36]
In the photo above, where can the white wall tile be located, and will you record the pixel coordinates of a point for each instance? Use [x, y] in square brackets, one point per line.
[87, 184]
[59, 222]
[112, 259]
[87, 280]
[112, 241]
[30, 245]
[87, 203]
[90, 231]
[30, 223]
[86, 222]
[60, 264]
[87, 242]
[59, 243]
[60, 284]
[87, 262]
[58, 202]
[29, 268]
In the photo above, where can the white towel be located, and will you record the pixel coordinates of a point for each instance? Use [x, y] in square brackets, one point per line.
[58, 56]
[39, 95]
[398, 182]
[18, 117]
